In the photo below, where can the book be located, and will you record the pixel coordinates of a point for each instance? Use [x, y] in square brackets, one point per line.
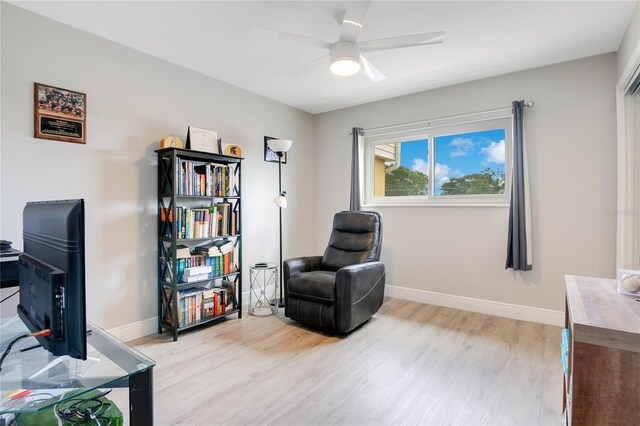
[198, 305]
[215, 248]
[223, 218]
[200, 185]
[182, 251]
[227, 263]
[222, 300]
[191, 279]
[208, 303]
[234, 224]
[180, 310]
[179, 221]
[197, 270]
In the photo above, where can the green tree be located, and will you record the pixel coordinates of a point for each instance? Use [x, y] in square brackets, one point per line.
[403, 181]
[488, 181]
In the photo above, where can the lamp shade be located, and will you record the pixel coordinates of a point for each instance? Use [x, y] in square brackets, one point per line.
[280, 201]
[280, 145]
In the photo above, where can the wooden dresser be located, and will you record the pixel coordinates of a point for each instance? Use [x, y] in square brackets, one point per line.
[602, 379]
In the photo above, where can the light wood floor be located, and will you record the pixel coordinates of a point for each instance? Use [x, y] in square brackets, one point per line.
[410, 364]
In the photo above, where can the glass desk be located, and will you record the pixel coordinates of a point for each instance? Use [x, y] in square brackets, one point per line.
[49, 379]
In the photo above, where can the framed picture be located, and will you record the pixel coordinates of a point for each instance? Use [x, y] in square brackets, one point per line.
[203, 140]
[59, 114]
[270, 155]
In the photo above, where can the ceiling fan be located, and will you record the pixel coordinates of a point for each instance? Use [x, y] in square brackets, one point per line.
[345, 55]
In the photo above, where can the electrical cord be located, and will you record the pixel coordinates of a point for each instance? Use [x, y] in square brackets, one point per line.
[39, 333]
[10, 296]
[78, 410]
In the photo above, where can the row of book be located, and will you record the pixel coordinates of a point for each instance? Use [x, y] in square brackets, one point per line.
[195, 304]
[220, 257]
[205, 222]
[214, 267]
[206, 180]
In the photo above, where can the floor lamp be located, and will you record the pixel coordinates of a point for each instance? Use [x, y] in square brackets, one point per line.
[280, 146]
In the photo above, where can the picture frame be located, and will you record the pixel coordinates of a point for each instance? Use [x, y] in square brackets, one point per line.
[59, 114]
[269, 155]
[203, 140]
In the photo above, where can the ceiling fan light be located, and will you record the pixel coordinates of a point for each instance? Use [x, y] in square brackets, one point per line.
[345, 66]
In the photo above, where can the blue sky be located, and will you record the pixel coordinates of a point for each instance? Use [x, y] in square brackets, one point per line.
[457, 155]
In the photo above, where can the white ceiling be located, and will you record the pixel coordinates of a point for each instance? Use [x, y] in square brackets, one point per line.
[483, 39]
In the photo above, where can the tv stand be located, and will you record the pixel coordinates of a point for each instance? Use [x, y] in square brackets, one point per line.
[56, 361]
[110, 364]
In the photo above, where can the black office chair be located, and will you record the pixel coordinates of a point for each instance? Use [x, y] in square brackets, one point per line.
[345, 287]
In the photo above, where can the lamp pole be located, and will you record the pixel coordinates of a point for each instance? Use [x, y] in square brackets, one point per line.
[280, 147]
[280, 154]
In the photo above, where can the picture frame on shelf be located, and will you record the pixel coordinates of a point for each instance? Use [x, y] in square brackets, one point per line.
[203, 140]
[59, 114]
[269, 155]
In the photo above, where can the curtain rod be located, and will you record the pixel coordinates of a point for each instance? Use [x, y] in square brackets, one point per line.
[528, 104]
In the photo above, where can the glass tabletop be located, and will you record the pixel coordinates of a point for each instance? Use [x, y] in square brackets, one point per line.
[36, 379]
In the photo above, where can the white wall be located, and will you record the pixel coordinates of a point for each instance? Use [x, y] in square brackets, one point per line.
[133, 100]
[461, 250]
[630, 44]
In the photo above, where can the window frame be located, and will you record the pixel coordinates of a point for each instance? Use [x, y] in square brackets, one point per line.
[431, 132]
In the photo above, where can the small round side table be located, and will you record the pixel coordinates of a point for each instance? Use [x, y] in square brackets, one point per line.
[263, 289]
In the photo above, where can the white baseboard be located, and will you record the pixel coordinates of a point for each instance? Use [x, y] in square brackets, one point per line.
[519, 312]
[135, 329]
[500, 309]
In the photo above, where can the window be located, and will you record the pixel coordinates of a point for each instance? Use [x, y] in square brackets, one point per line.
[400, 169]
[469, 163]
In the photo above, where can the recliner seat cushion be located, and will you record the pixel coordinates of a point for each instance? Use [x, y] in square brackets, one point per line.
[354, 239]
[319, 286]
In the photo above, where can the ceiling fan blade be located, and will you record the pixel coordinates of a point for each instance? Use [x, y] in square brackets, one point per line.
[352, 20]
[402, 41]
[296, 38]
[370, 70]
[307, 68]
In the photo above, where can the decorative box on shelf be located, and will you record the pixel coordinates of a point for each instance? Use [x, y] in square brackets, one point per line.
[629, 282]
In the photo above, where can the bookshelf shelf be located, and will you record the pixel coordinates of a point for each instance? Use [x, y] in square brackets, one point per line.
[198, 240]
[191, 284]
[204, 321]
[203, 197]
[212, 224]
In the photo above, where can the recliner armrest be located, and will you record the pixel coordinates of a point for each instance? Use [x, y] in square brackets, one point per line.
[356, 281]
[358, 285]
[298, 265]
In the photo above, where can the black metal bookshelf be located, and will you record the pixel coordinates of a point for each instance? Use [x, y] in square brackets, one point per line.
[169, 200]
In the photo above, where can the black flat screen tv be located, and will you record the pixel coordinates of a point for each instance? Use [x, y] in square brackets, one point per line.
[52, 275]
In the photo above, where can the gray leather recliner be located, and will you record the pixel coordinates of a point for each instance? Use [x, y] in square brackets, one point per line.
[345, 287]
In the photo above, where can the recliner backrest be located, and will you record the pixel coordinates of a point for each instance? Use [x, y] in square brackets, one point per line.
[356, 238]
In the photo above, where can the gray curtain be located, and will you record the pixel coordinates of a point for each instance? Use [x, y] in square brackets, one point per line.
[519, 256]
[356, 147]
